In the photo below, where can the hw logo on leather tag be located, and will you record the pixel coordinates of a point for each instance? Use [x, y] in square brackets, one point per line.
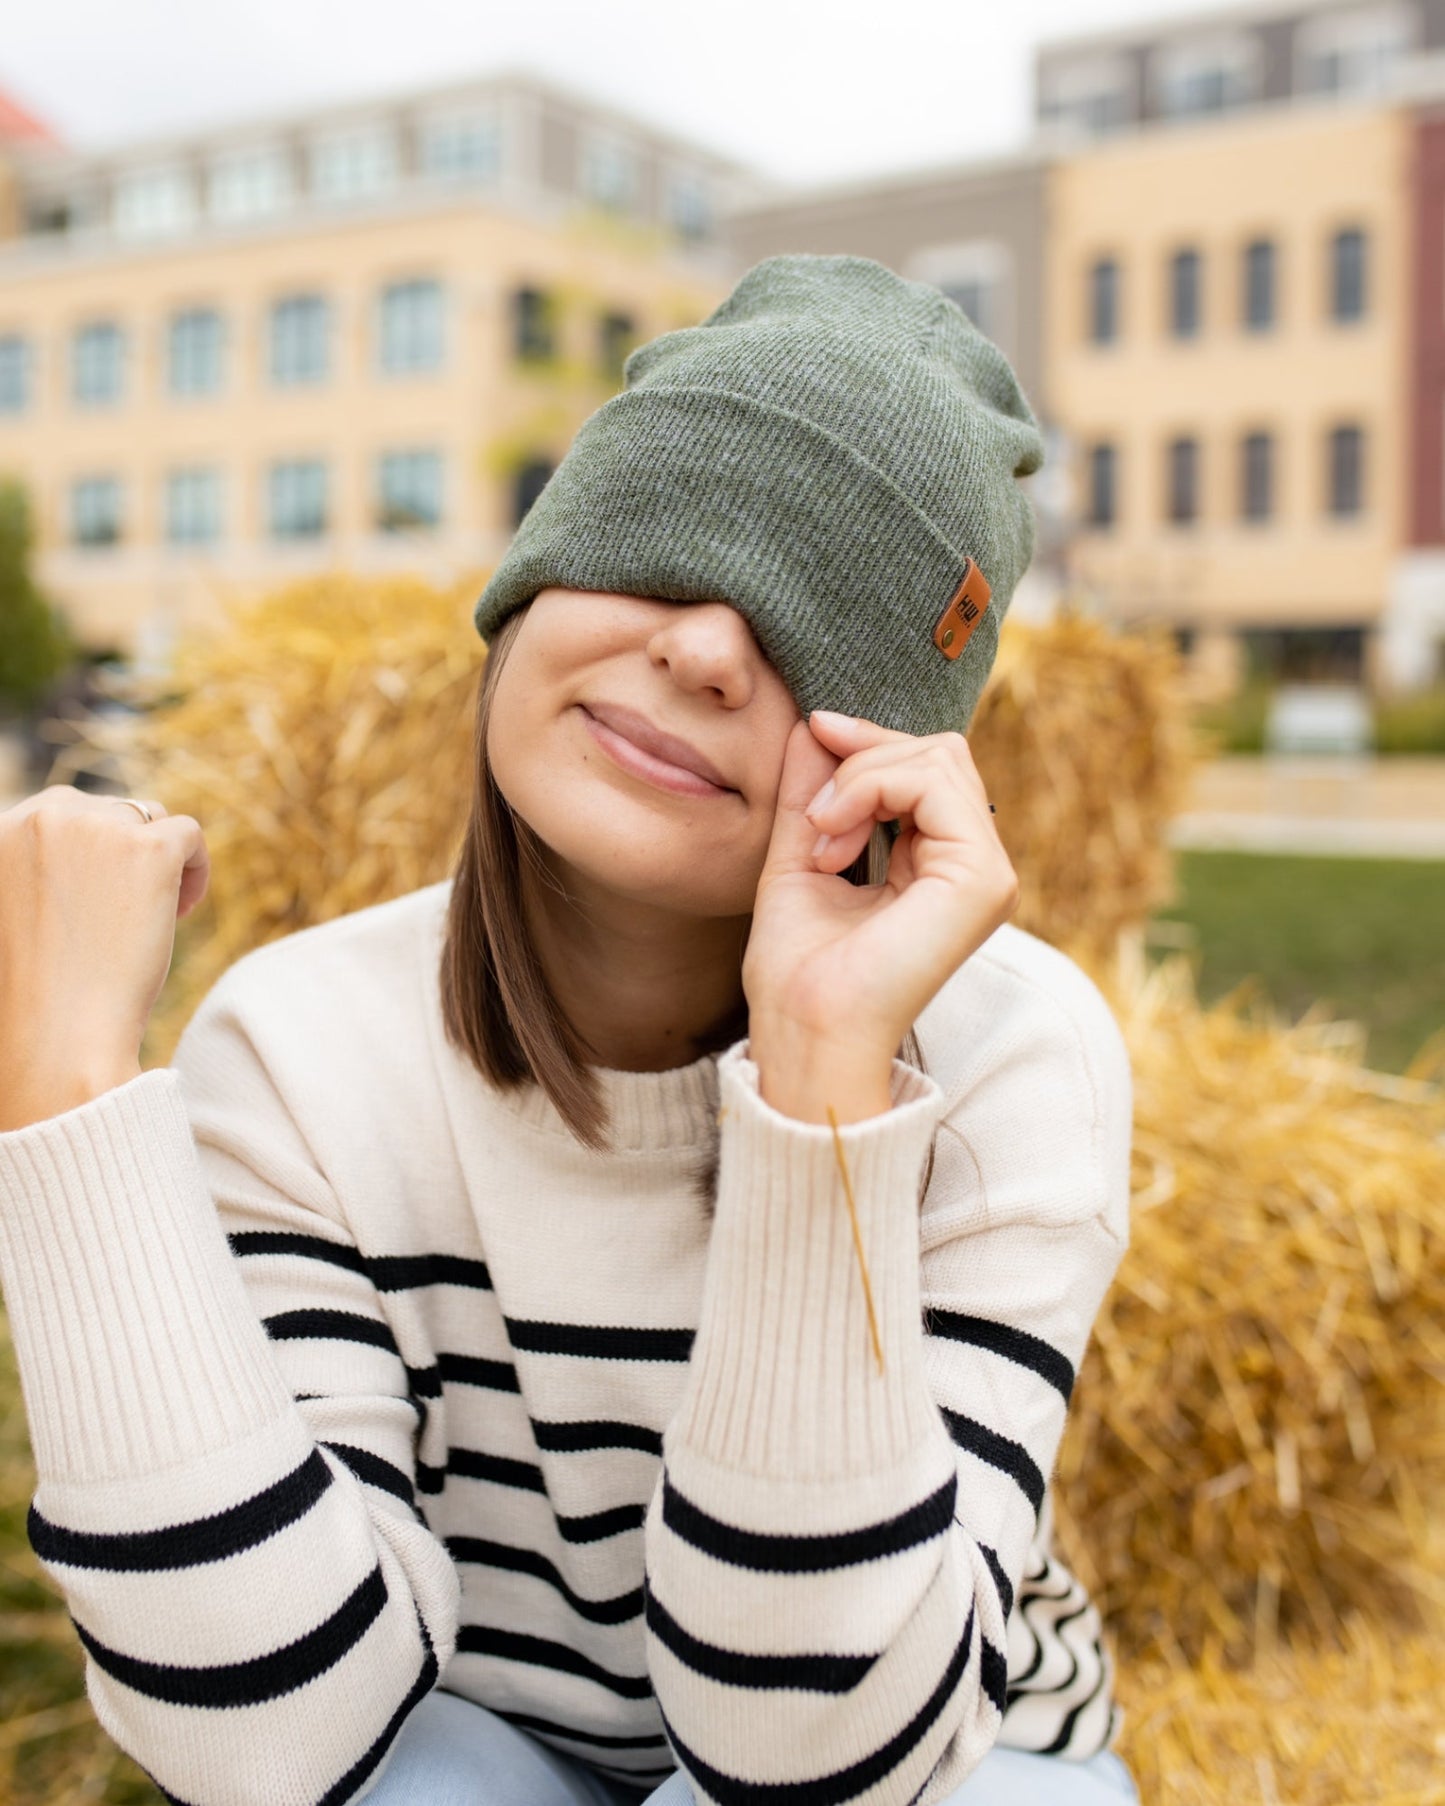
[964, 612]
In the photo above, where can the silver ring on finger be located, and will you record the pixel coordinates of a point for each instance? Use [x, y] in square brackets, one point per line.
[136, 805]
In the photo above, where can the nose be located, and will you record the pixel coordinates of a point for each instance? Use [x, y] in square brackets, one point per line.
[708, 647]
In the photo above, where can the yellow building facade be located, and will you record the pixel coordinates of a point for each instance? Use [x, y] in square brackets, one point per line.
[1257, 312]
[205, 404]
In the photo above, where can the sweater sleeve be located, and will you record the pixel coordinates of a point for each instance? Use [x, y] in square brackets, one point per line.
[259, 1602]
[832, 1552]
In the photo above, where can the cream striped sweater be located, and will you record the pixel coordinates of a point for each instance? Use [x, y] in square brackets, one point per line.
[348, 1375]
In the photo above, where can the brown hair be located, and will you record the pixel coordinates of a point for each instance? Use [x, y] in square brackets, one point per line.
[497, 1007]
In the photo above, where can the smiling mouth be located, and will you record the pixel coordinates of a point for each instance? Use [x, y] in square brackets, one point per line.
[661, 773]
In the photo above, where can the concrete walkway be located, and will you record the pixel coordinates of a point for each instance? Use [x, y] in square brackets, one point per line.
[1390, 808]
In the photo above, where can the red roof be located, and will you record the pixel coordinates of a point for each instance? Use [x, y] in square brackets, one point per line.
[20, 126]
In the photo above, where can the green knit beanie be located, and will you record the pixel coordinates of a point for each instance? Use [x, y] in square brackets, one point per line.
[833, 452]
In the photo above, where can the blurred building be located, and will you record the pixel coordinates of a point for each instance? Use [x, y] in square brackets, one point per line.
[1219, 269]
[360, 336]
[1231, 341]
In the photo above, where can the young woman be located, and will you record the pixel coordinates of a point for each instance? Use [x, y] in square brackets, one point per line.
[599, 1328]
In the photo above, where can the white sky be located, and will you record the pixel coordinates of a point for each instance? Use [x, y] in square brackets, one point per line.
[803, 90]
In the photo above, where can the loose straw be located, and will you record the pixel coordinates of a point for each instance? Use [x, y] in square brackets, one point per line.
[857, 1236]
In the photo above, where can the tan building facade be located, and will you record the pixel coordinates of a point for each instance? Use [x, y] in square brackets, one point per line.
[1226, 338]
[213, 377]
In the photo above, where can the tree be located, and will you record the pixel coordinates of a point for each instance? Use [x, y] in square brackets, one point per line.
[35, 643]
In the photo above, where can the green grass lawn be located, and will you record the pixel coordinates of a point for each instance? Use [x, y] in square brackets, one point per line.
[1367, 936]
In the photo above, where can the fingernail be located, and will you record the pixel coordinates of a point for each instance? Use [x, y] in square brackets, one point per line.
[821, 800]
[822, 841]
[832, 715]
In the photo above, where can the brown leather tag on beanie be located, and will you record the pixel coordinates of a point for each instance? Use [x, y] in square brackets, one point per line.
[964, 612]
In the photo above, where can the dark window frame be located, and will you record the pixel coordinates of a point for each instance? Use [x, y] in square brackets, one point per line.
[1186, 293]
[1256, 314]
[1345, 471]
[1104, 301]
[1256, 476]
[1182, 466]
[1349, 275]
[1103, 485]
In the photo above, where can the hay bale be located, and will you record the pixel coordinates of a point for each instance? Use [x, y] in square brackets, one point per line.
[1297, 1728]
[1258, 1440]
[1084, 740]
[322, 737]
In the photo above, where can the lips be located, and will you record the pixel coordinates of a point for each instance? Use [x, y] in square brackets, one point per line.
[640, 731]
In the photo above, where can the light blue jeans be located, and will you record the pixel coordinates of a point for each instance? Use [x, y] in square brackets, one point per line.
[452, 1752]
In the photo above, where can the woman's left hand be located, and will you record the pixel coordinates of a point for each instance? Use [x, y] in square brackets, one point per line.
[839, 972]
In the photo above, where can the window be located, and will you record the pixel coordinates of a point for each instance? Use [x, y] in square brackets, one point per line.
[411, 328]
[194, 352]
[1104, 301]
[617, 334]
[1357, 51]
[1103, 478]
[250, 183]
[531, 480]
[1088, 97]
[14, 374]
[97, 368]
[534, 329]
[1183, 476]
[464, 145]
[409, 490]
[1201, 76]
[609, 172]
[193, 506]
[353, 163]
[1346, 470]
[688, 207]
[300, 339]
[1258, 298]
[1347, 275]
[297, 498]
[95, 511]
[154, 201]
[1256, 476]
[1184, 294]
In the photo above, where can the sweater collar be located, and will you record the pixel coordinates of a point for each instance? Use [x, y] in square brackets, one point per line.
[645, 1110]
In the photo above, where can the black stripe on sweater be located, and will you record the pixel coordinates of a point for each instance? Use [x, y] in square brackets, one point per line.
[318, 1324]
[583, 1438]
[1000, 1579]
[262, 1678]
[374, 1470]
[619, 1610]
[1003, 1339]
[186, 1545]
[844, 1783]
[345, 1788]
[600, 1341]
[785, 1554]
[387, 1272]
[541, 1652]
[545, 1727]
[476, 1370]
[1066, 1730]
[503, 1470]
[1009, 1457]
[809, 1673]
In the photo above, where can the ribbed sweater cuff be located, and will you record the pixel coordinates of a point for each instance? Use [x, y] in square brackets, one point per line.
[136, 1341]
[783, 1379]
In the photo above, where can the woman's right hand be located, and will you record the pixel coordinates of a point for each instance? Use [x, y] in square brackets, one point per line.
[89, 898]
